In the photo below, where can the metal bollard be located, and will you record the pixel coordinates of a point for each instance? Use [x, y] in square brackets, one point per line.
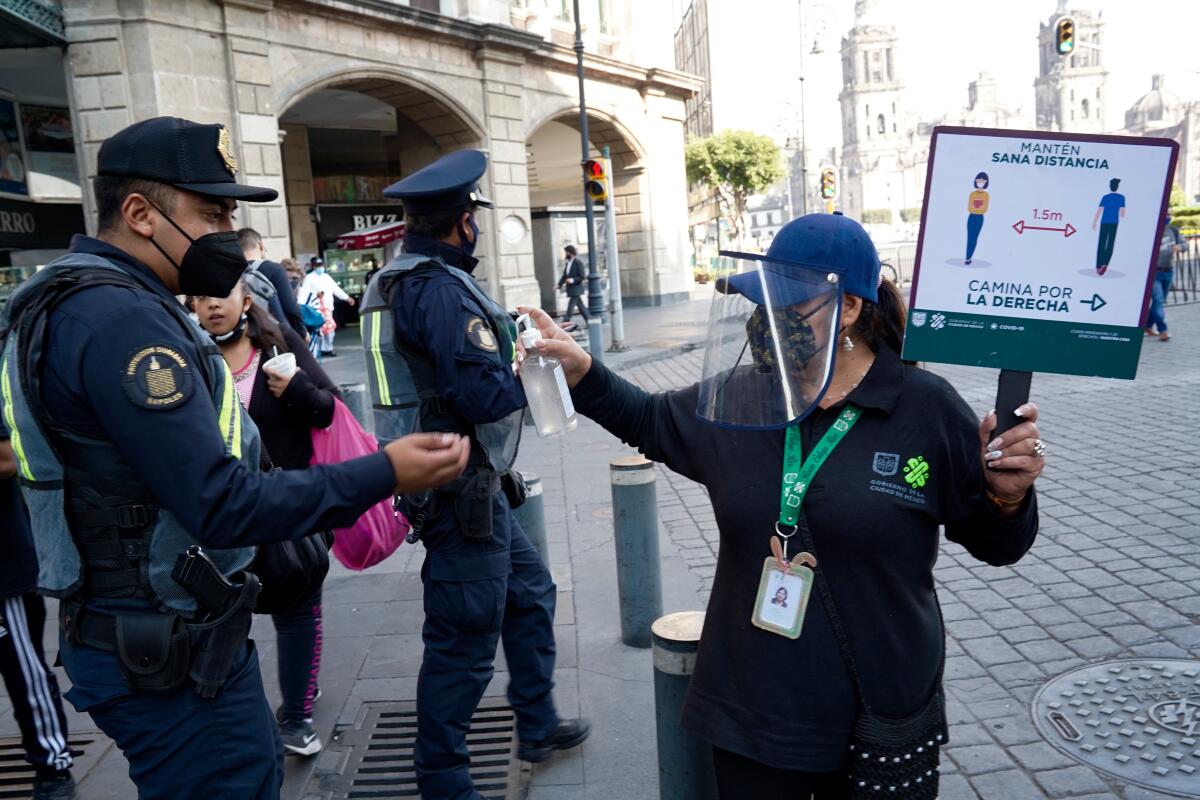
[685, 762]
[531, 516]
[635, 533]
[596, 338]
[355, 396]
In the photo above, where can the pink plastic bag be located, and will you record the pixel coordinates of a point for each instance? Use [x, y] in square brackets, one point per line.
[379, 531]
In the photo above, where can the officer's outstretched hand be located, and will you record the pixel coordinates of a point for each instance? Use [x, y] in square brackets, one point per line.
[426, 460]
[561, 345]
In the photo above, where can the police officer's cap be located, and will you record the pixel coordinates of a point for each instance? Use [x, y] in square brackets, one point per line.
[181, 153]
[450, 183]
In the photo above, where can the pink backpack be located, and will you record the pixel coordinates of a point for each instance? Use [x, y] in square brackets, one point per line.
[379, 531]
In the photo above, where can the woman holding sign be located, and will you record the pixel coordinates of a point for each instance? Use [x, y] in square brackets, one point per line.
[830, 465]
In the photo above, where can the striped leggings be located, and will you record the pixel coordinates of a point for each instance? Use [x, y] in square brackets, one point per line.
[31, 685]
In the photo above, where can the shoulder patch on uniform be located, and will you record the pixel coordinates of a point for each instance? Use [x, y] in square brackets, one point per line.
[480, 335]
[157, 377]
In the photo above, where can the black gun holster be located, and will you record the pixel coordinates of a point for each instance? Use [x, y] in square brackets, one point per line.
[220, 641]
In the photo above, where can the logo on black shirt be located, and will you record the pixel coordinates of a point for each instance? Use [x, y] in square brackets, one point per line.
[886, 464]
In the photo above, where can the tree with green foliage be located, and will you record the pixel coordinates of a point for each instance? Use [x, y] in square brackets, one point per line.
[735, 165]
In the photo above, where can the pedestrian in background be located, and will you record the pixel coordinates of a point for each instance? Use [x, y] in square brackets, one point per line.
[295, 274]
[319, 290]
[285, 408]
[32, 686]
[282, 304]
[1169, 248]
[778, 692]
[574, 280]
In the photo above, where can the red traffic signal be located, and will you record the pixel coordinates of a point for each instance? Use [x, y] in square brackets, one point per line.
[595, 179]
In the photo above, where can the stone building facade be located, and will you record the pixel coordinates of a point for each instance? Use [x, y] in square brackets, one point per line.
[423, 79]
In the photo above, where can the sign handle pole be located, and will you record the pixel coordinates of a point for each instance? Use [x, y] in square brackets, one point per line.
[1011, 393]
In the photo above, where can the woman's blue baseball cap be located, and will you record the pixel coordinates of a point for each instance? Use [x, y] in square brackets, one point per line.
[826, 243]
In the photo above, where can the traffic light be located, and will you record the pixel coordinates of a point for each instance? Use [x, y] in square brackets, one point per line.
[828, 183]
[1064, 36]
[595, 179]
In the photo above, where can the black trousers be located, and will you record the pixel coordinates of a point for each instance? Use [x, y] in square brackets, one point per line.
[1105, 243]
[741, 778]
[574, 302]
[31, 685]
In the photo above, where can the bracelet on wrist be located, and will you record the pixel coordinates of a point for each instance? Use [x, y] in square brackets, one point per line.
[1007, 505]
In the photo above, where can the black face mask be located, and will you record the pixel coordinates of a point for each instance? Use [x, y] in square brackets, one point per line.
[799, 343]
[468, 244]
[212, 265]
[229, 337]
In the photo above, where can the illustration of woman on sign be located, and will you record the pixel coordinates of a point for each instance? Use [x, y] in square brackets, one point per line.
[977, 206]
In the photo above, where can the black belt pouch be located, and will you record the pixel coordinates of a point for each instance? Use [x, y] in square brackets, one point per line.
[473, 506]
[153, 650]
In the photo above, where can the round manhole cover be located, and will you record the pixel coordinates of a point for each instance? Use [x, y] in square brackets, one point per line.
[1138, 721]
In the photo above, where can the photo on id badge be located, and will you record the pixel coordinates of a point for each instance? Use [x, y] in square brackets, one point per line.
[782, 598]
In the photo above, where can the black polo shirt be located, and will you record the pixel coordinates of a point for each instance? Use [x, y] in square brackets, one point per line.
[791, 703]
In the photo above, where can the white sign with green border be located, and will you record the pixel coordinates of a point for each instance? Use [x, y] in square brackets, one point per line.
[1037, 250]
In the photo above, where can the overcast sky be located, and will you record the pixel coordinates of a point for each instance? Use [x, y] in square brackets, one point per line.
[944, 44]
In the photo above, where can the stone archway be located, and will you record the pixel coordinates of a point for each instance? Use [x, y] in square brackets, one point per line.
[552, 150]
[377, 126]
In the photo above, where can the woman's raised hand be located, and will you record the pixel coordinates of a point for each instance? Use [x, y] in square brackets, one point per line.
[558, 343]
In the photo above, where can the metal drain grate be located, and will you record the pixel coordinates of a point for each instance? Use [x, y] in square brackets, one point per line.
[16, 776]
[1138, 721]
[380, 763]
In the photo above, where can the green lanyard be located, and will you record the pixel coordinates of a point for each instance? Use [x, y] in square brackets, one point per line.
[798, 474]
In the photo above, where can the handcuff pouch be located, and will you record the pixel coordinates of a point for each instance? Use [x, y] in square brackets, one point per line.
[153, 651]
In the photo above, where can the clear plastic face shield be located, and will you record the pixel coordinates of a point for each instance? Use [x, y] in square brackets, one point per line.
[772, 335]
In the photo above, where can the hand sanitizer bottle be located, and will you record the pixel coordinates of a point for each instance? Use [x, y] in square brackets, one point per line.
[545, 386]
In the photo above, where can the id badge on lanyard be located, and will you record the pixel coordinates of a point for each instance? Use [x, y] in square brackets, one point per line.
[785, 586]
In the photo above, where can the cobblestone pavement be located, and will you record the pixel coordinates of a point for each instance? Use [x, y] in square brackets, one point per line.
[1113, 574]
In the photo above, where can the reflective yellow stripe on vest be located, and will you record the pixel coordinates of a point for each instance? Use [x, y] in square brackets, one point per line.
[372, 320]
[229, 415]
[11, 423]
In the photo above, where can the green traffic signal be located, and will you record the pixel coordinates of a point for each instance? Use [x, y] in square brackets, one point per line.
[1065, 34]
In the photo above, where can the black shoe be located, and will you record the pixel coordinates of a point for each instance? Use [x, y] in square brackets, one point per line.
[569, 733]
[59, 786]
[328, 354]
[279, 710]
[300, 739]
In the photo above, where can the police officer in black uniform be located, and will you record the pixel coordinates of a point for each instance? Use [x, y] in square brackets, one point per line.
[434, 336]
[142, 472]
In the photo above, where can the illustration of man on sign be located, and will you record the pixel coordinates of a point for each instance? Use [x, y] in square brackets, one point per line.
[1109, 214]
[977, 206]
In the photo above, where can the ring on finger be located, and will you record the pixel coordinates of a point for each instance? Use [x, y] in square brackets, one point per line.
[1039, 448]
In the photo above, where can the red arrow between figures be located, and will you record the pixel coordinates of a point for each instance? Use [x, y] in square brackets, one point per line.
[1021, 227]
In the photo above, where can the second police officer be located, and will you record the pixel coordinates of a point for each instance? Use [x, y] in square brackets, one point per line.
[133, 450]
[440, 356]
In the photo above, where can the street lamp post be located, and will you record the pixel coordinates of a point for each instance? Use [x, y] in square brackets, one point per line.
[595, 295]
[816, 51]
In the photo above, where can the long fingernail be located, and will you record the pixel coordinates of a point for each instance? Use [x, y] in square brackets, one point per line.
[995, 443]
[993, 455]
[1022, 411]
